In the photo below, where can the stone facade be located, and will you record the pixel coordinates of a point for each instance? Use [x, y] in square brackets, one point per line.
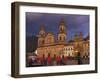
[48, 44]
[68, 50]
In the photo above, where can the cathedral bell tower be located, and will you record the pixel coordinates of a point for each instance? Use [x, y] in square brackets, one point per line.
[41, 36]
[80, 36]
[62, 32]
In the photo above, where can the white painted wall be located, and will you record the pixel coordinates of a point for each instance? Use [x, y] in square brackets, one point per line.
[5, 40]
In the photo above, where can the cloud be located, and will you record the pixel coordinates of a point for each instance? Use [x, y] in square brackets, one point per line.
[73, 23]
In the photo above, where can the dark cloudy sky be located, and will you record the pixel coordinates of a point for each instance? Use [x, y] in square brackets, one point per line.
[73, 23]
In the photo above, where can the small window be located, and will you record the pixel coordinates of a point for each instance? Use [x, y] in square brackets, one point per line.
[60, 38]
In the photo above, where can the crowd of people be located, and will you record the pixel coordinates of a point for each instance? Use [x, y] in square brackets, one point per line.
[55, 60]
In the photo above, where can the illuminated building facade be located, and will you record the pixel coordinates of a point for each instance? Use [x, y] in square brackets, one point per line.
[48, 43]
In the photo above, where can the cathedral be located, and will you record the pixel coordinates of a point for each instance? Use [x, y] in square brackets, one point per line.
[49, 44]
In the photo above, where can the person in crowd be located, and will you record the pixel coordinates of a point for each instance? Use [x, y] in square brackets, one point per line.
[54, 60]
[30, 62]
[79, 58]
[63, 60]
[58, 60]
[43, 60]
[49, 60]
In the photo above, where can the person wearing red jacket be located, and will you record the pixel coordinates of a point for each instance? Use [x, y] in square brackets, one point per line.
[58, 60]
[65, 59]
[43, 59]
[49, 60]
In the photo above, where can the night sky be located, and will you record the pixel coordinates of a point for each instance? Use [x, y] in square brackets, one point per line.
[73, 23]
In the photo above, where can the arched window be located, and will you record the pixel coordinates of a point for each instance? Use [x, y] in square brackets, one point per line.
[39, 41]
[60, 38]
[64, 37]
[42, 41]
